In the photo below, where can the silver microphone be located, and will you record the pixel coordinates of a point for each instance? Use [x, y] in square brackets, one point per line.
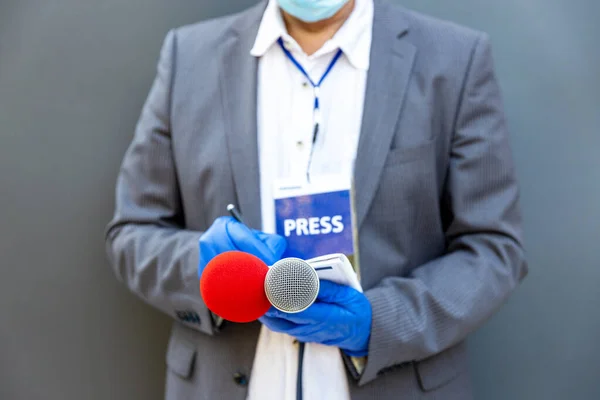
[291, 285]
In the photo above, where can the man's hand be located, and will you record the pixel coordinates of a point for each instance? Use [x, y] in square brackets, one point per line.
[341, 316]
[227, 234]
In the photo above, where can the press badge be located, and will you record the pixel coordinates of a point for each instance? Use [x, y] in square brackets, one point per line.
[316, 218]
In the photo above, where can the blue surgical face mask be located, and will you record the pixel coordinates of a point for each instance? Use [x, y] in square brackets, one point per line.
[312, 10]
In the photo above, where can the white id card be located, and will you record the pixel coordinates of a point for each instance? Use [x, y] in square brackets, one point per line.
[316, 218]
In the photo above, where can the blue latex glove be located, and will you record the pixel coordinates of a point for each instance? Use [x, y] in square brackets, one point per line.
[341, 317]
[227, 234]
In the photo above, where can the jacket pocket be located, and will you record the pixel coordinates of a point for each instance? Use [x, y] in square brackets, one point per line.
[442, 368]
[181, 357]
[403, 155]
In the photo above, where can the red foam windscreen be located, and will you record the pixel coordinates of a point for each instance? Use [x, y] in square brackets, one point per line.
[232, 286]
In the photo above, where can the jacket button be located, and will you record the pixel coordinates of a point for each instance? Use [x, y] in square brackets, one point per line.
[240, 379]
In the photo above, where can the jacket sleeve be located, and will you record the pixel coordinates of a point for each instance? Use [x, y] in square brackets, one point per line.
[444, 300]
[147, 244]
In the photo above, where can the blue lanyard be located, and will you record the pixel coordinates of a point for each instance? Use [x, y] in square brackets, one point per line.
[315, 86]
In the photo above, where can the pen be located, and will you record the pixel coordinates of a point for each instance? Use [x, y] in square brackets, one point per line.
[235, 213]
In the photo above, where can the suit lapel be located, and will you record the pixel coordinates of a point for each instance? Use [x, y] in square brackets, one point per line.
[390, 68]
[238, 80]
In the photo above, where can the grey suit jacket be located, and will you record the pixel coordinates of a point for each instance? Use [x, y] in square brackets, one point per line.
[437, 201]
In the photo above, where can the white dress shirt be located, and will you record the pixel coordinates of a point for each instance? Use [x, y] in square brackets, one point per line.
[286, 102]
[285, 129]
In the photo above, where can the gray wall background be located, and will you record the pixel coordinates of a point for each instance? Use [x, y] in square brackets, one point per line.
[73, 77]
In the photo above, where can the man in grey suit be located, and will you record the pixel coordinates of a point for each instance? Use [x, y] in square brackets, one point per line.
[436, 194]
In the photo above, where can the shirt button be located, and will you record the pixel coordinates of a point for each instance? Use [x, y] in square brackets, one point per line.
[299, 144]
[240, 379]
[304, 84]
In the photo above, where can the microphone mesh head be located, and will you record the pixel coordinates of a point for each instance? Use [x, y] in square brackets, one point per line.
[291, 285]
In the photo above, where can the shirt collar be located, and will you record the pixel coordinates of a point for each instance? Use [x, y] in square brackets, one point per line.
[354, 37]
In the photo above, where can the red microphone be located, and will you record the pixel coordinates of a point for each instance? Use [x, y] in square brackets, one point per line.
[240, 287]
[232, 286]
